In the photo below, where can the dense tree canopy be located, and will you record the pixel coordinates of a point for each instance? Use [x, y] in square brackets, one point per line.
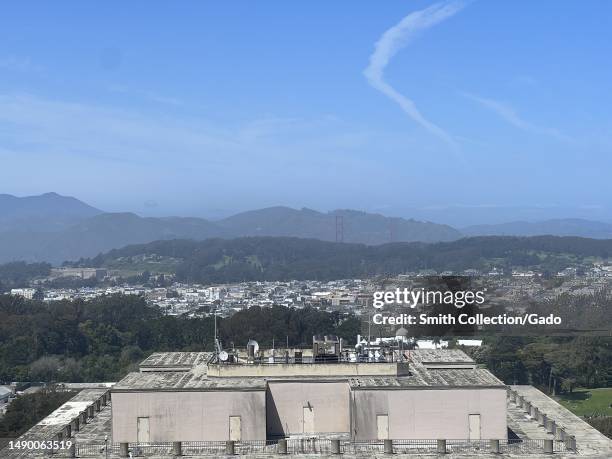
[283, 258]
[101, 339]
[18, 274]
[27, 410]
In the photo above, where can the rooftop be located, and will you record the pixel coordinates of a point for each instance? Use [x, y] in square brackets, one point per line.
[184, 381]
[441, 358]
[55, 423]
[192, 371]
[590, 441]
[420, 378]
[174, 361]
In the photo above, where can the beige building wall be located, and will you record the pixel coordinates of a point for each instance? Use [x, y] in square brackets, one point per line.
[343, 369]
[429, 414]
[328, 402]
[188, 416]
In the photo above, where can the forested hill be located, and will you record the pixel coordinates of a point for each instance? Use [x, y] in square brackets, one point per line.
[280, 258]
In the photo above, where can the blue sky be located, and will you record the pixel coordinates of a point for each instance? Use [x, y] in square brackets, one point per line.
[458, 112]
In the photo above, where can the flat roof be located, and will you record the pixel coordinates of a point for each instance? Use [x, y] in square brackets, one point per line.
[420, 378]
[185, 381]
[188, 371]
[589, 440]
[424, 356]
[163, 360]
[73, 407]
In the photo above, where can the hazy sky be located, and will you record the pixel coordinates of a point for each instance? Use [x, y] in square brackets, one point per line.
[205, 108]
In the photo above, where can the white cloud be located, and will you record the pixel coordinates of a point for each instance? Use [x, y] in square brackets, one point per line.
[510, 115]
[395, 39]
[133, 153]
[41, 127]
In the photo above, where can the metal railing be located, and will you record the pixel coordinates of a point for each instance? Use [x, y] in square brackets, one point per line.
[312, 445]
[92, 450]
[315, 446]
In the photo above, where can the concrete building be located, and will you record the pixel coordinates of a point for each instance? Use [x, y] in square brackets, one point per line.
[428, 394]
[533, 420]
[27, 293]
[5, 394]
[81, 273]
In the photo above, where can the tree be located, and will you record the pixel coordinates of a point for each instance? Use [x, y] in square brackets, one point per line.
[45, 369]
[27, 410]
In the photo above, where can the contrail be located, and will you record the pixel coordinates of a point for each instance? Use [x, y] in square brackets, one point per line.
[508, 114]
[395, 39]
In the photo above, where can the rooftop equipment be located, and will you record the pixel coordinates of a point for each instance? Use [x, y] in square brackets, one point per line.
[252, 349]
[326, 348]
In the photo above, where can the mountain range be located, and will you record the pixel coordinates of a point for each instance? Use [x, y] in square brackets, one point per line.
[56, 228]
[49, 211]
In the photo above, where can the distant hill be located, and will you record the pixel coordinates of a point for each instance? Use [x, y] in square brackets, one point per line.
[54, 228]
[47, 212]
[358, 227]
[556, 227]
[282, 258]
[99, 234]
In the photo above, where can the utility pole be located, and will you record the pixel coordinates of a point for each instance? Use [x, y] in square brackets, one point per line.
[339, 228]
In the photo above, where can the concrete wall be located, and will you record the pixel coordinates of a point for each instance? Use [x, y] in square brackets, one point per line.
[279, 411]
[188, 416]
[286, 402]
[429, 414]
[309, 369]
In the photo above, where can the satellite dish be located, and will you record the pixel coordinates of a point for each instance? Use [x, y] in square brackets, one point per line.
[223, 356]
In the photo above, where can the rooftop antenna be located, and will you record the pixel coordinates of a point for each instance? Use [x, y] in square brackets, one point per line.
[217, 345]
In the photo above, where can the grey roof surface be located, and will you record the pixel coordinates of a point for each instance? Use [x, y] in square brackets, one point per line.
[434, 378]
[194, 377]
[186, 380]
[175, 359]
[87, 385]
[439, 356]
[590, 442]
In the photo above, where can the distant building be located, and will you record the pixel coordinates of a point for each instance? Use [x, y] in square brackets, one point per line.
[469, 342]
[27, 293]
[5, 394]
[80, 273]
[342, 300]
